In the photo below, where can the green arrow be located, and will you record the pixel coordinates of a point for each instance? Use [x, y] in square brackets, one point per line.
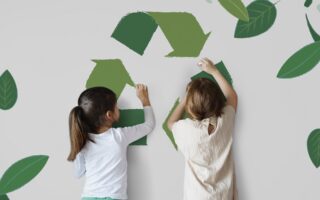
[183, 32]
[135, 31]
[131, 117]
[222, 69]
[111, 74]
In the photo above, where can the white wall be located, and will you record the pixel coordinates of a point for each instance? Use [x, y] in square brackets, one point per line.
[48, 47]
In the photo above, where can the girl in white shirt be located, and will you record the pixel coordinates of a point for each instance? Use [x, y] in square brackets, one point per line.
[205, 139]
[98, 150]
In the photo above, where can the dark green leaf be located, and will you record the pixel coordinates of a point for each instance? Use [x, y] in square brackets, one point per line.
[262, 15]
[314, 147]
[314, 34]
[21, 172]
[8, 91]
[301, 62]
[307, 3]
[4, 197]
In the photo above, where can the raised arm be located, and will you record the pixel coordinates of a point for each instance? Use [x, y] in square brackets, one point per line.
[177, 113]
[133, 133]
[230, 94]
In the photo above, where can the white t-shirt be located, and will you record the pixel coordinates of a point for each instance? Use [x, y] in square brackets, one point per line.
[209, 167]
[104, 163]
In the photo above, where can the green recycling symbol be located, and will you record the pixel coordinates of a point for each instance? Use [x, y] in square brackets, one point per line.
[182, 30]
[112, 74]
[135, 31]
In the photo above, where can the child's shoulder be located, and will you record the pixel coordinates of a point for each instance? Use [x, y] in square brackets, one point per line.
[183, 123]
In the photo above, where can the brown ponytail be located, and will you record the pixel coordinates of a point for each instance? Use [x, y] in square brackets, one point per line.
[78, 134]
[89, 116]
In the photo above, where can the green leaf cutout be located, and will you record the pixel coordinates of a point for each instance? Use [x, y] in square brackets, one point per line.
[314, 147]
[301, 62]
[236, 8]
[21, 172]
[8, 91]
[262, 15]
[307, 3]
[4, 197]
[314, 34]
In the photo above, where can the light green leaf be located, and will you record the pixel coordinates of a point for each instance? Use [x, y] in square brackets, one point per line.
[314, 147]
[21, 172]
[236, 8]
[262, 15]
[301, 62]
[8, 91]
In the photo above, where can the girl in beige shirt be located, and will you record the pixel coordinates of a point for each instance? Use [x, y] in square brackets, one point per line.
[205, 139]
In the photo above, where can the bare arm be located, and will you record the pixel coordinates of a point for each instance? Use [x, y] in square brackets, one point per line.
[228, 91]
[176, 114]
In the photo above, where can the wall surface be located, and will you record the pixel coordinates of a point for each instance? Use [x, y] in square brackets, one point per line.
[48, 47]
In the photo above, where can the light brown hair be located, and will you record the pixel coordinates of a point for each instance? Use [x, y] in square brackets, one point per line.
[204, 99]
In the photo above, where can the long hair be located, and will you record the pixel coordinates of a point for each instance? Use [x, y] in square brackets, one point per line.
[204, 99]
[89, 116]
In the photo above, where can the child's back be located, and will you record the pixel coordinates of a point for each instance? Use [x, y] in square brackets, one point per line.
[205, 140]
[209, 170]
[99, 151]
[104, 161]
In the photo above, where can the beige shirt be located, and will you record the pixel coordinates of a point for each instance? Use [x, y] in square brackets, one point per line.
[209, 167]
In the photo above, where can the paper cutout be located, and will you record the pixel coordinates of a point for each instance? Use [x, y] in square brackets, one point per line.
[182, 30]
[4, 197]
[313, 145]
[131, 117]
[8, 91]
[21, 172]
[262, 15]
[236, 8]
[307, 3]
[113, 75]
[301, 62]
[135, 31]
[313, 33]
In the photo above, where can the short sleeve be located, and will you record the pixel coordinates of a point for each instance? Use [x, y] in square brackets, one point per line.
[79, 165]
[177, 132]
